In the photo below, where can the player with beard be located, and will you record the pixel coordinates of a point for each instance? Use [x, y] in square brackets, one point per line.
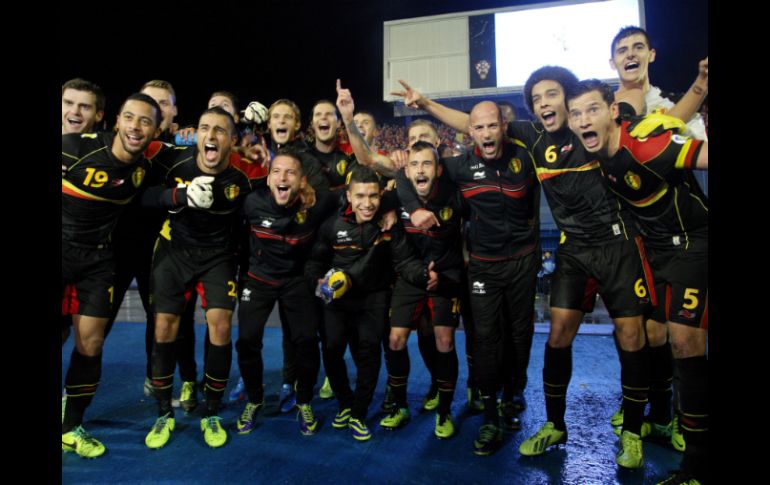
[101, 173]
[496, 179]
[205, 192]
[134, 238]
[382, 163]
[282, 234]
[598, 245]
[284, 121]
[440, 246]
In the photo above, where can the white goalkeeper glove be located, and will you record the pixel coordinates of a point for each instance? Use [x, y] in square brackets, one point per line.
[255, 112]
[199, 193]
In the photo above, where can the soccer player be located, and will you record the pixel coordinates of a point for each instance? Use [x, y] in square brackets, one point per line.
[284, 122]
[335, 163]
[82, 106]
[598, 245]
[134, 239]
[367, 126]
[653, 177]
[441, 308]
[101, 173]
[379, 161]
[205, 192]
[496, 180]
[162, 92]
[282, 234]
[362, 256]
[631, 55]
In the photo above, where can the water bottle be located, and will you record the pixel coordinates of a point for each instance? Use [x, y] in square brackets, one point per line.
[180, 141]
[322, 290]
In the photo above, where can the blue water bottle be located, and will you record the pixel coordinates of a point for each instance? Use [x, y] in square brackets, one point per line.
[179, 141]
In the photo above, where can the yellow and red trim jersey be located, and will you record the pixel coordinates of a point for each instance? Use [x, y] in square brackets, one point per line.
[653, 176]
[96, 187]
[584, 210]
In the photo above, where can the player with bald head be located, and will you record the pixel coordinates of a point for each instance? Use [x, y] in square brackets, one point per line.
[497, 181]
[598, 245]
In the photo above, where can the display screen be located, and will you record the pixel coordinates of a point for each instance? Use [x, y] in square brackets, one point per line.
[575, 36]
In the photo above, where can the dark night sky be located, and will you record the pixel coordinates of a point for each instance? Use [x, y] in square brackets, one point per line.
[296, 49]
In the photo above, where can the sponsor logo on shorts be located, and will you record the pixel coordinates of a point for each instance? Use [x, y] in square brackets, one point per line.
[478, 288]
[246, 295]
[686, 314]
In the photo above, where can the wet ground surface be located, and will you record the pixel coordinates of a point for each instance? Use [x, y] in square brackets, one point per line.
[275, 452]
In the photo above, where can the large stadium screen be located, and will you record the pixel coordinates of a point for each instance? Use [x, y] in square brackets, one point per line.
[493, 52]
[575, 36]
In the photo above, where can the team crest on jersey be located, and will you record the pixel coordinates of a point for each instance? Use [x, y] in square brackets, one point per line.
[515, 165]
[137, 177]
[301, 217]
[632, 180]
[445, 214]
[232, 191]
[342, 167]
[347, 179]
